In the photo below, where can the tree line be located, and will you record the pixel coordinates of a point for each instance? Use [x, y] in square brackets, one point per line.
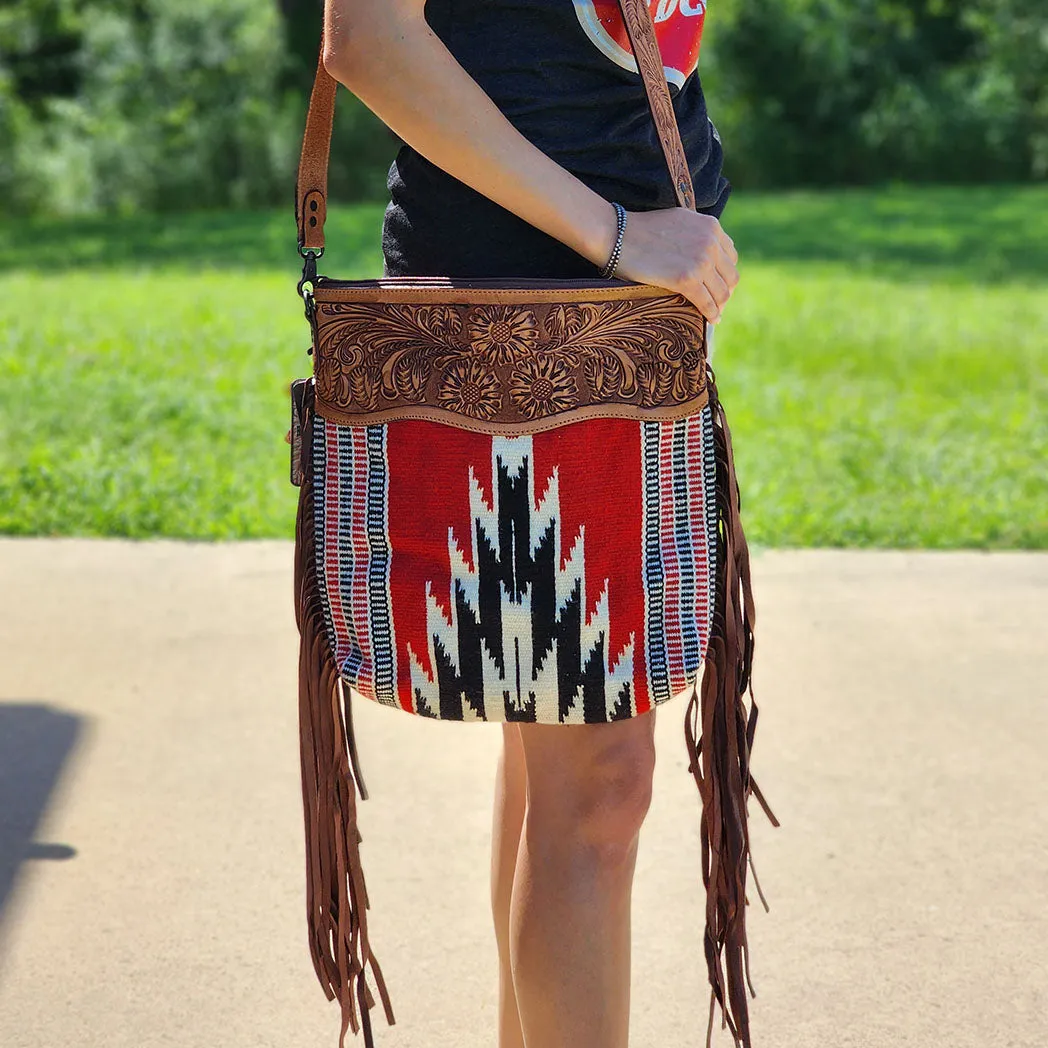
[125, 105]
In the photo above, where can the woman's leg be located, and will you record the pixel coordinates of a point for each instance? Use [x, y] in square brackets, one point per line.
[588, 790]
[510, 797]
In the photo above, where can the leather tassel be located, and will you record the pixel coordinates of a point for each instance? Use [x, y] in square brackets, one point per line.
[336, 897]
[719, 737]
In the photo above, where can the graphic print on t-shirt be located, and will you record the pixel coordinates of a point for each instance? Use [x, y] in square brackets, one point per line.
[678, 28]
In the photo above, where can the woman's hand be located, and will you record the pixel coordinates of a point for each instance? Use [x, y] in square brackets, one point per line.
[682, 251]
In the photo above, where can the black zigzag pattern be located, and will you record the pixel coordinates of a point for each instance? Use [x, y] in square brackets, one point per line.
[507, 565]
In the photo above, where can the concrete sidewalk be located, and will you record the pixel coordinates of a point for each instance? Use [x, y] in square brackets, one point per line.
[151, 882]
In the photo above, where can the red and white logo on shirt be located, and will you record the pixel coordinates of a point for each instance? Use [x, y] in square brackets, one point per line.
[678, 28]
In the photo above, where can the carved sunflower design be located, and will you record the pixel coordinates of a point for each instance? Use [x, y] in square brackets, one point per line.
[468, 389]
[502, 334]
[543, 386]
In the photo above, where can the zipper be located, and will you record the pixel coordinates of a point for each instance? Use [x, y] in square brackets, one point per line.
[479, 283]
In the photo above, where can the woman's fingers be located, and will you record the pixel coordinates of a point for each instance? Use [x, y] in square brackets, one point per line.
[727, 272]
[717, 294]
[686, 252]
[728, 246]
[718, 288]
[712, 284]
[721, 239]
[702, 297]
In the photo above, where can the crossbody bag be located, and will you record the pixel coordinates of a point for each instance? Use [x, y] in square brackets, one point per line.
[448, 447]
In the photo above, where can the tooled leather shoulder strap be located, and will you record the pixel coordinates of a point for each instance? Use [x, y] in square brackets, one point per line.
[311, 185]
[640, 28]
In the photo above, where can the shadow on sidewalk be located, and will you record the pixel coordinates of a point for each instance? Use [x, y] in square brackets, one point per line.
[36, 741]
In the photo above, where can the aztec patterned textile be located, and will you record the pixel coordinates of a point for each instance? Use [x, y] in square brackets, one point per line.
[546, 579]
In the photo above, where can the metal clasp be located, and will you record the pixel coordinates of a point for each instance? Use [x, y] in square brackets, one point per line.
[309, 279]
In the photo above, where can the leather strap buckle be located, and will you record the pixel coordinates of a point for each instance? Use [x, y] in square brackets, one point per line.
[309, 279]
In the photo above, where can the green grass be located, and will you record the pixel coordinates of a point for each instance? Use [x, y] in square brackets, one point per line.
[884, 365]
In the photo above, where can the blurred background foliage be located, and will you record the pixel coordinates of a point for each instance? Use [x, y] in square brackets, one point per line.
[846, 92]
[124, 106]
[885, 357]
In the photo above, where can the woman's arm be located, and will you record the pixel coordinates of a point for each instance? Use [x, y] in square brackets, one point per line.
[386, 54]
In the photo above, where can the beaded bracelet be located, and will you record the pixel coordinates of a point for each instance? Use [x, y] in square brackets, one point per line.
[620, 218]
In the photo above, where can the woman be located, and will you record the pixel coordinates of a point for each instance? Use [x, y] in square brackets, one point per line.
[523, 122]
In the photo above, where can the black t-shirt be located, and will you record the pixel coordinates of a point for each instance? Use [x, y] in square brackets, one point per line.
[563, 74]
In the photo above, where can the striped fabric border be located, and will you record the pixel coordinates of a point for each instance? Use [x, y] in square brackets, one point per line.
[672, 559]
[686, 477]
[351, 499]
[709, 485]
[380, 619]
[679, 506]
[350, 481]
[330, 561]
[654, 573]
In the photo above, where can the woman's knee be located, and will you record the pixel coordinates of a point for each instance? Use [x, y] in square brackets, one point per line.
[590, 789]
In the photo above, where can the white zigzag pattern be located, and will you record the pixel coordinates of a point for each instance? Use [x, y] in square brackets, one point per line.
[520, 678]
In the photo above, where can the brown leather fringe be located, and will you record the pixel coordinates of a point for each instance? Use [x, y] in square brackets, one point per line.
[336, 897]
[718, 732]
[719, 752]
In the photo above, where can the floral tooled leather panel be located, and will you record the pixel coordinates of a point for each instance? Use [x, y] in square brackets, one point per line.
[516, 366]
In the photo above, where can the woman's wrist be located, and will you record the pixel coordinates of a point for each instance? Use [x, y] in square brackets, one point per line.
[596, 231]
[616, 252]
